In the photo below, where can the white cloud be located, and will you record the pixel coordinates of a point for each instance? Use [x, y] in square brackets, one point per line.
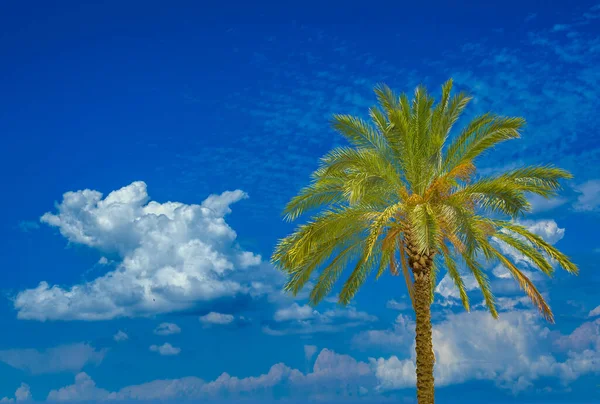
[295, 312]
[589, 198]
[165, 349]
[401, 306]
[309, 351]
[513, 351]
[333, 375]
[595, 312]
[400, 336]
[540, 204]
[584, 337]
[172, 256]
[120, 336]
[23, 393]
[447, 289]
[63, 358]
[547, 229]
[84, 389]
[214, 318]
[167, 329]
[296, 319]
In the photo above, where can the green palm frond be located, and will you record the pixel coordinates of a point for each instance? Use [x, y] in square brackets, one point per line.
[450, 263]
[403, 191]
[526, 285]
[541, 244]
[483, 282]
[528, 251]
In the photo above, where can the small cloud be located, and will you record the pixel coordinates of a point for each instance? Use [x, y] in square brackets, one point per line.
[120, 336]
[309, 351]
[213, 318]
[165, 349]
[541, 204]
[26, 226]
[589, 198]
[595, 312]
[167, 329]
[400, 306]
[103, 261]
[294, 312]
[560, 27]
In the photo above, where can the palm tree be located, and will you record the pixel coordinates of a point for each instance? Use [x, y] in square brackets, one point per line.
[405, 196]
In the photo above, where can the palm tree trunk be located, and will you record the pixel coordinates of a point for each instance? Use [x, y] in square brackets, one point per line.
[425, 356]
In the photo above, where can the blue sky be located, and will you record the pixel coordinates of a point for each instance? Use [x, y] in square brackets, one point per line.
[153, 147]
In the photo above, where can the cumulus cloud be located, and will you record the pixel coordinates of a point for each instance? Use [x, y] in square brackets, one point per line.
[172, 255]
[84, 389]
[165, 349]
[167, 329]
[547, 229]
[23, 393]
[63, 358]
[303, 319]
[332, 375]
[589, 196]
[214, 318]
[513, 351]
[120, 336]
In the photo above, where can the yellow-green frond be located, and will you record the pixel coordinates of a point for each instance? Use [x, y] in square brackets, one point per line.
[528, 251]
[540, 243]
[484, 284]
[450, 263]
[527, 286]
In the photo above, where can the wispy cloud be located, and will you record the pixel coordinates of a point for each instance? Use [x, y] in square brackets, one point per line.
[63, 358]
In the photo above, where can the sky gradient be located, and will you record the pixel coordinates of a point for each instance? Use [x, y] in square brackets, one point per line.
[152, 147]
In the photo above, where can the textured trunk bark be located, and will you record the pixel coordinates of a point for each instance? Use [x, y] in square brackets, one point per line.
[425, 355]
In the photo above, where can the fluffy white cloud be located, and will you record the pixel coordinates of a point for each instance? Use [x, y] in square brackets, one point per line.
[63, 358]
[595, 312]
[513, 351]
[214, 318]
[23, 393]
[172, 255]
[120, 336]
[297, 319]
[547, 229]
[165, 349]
[167, 329]
[589, 196]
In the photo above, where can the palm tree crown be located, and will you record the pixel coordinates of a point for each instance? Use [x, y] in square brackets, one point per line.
[404, 195]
